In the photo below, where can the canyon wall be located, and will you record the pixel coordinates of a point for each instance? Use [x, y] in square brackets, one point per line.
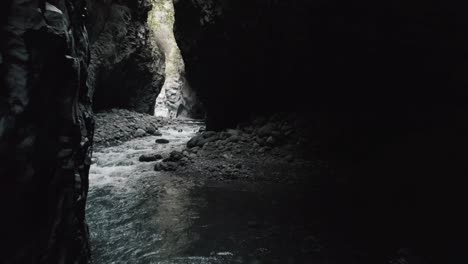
[52, 74]
[127, 63]
[369, 76]
[383, 86]
[46, 130]
[343, 58]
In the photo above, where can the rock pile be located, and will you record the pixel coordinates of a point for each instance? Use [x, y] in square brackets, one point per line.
[262, 149]
[274, 148]
[175, 160]
[279, 133]
[119, 125]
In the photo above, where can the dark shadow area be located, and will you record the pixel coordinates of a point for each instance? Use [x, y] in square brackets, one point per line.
[336, 132]
[383, 86]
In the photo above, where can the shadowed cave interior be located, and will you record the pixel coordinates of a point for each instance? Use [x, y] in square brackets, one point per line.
[233, 131]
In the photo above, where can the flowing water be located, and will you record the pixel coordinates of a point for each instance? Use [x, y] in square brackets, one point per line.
[137, 215]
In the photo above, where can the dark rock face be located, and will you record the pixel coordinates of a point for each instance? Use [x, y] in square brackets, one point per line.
[241, 55]
[366, 75]
[340, 57]
[46, 129]
[127, 64]
[382, 85]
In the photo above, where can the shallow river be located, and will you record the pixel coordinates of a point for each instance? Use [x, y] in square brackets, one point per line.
[137, 215]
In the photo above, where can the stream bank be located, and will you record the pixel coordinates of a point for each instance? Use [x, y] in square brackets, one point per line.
[190, 215]
[245, 195]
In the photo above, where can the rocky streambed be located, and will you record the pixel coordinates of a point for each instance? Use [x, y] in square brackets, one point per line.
[154, 200]
[244, 195]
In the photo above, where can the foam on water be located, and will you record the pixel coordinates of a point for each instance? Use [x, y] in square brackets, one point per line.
[115, 166]
[137, 215]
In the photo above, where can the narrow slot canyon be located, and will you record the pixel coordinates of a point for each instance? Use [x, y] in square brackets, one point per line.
[233, 131]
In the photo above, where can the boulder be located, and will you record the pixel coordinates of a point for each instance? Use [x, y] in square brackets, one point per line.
[194, 149]
[233, 132]
[150, 157]
[203, 139]
[165, 166]
[151, 130]
[208, 140]
[208, 134]
[140, 133]
[233, 139]
[162, 141]
[174, 156]
[195, 141]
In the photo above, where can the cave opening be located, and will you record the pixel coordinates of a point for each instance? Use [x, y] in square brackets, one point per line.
[233, 131]
[170, 98]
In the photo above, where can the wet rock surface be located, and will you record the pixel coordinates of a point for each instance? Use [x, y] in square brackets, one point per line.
[127, 65]
[150, 157]
[162, 141]
[46, 130]
[307, 56]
